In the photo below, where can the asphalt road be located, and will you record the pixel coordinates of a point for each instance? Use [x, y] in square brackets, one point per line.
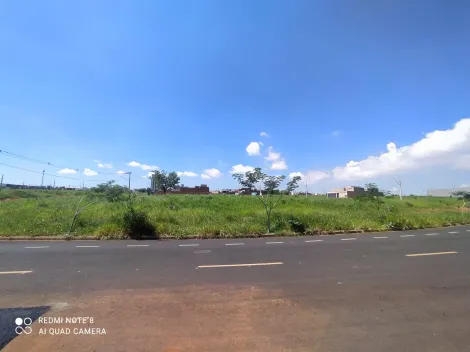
[406, 291]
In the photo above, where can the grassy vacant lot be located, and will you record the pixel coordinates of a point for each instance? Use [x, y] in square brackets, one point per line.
[39, 213]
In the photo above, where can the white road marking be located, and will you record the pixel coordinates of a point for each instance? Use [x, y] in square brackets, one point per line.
[314, 241]
[348, 239]
[234, 244]
[37, 247]
[407, 236]
[431, 234]
[15, 272]
[238, 265]
[454, 232]
[274, 242]
[468, 230]
[425, 254]
[87, 246]
[381, 237]
[189, 245]
[138, 245]
[202, 251]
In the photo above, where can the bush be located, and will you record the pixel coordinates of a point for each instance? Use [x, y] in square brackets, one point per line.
[296, 225]
[137, 225]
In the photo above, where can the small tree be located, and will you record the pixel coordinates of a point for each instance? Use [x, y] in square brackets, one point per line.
[163, 181]
[105, 191]
[464, 196]
[265, 187]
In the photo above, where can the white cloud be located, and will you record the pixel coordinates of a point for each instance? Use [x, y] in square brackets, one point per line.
[67, 171]
[143, 166]
[149, 174]
[264, 134]
[186, 174]
[241, 169]
[464, 185]
[279, 165]
[89, 172]
[272, 155]
[254, 148]
[149, 167]
[312, 176]
[120, 172]
[293, 174]
[336, 133]
[450, 147]
[211, 173]
[105, 166]
[134, 164]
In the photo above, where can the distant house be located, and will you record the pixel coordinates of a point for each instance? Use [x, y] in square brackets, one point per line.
[202, 189]
[446, 192]
[346, 192]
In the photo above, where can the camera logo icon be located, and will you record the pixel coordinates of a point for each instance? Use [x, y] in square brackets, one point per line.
[19, 329]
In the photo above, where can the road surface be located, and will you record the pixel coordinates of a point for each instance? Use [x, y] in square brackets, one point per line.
[397, 291]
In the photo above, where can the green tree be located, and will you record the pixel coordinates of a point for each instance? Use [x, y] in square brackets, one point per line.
[163, 181]
[464, 196]
[266, 188]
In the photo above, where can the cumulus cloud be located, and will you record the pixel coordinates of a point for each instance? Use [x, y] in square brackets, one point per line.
[89, 172]
[120, 172]
[278, 163]
[264, 134]
[105, 166]
[67, 171]
[450, 148]
[241, 169]
[143, 166]
[186, 174]
[311, 176]
[254, 148]
[211, 173]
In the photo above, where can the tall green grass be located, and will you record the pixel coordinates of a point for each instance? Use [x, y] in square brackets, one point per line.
[36, 213]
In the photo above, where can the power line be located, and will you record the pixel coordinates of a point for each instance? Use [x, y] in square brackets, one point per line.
[41, 172]
[17, 156]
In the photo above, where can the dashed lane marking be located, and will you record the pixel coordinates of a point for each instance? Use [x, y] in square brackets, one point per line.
[314, 241]
[234, 244]
[381, 237]
[87, 246]
[426, 254]
[15, 272]
[138, 245]
[189, 245]
[238, 265]
[454, 231]
[202, 251]
[407, 236]
[431, 234]
[348, 239]
[32, 247]
[274, 242]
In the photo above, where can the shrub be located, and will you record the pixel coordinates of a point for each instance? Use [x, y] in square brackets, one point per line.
[296, 225]
[137, 225]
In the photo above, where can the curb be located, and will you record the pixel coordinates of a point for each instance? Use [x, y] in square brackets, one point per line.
[202, 237]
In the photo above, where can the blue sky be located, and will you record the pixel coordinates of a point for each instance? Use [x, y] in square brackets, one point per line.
[188, 85]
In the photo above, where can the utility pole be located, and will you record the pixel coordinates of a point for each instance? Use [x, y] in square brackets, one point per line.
[54, 183]
[306, 189]
[129, 173]
[42, 181]
[398, 181]
[1, 183]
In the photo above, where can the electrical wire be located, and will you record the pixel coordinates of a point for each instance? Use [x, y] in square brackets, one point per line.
[39, 172]
[17, 156]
